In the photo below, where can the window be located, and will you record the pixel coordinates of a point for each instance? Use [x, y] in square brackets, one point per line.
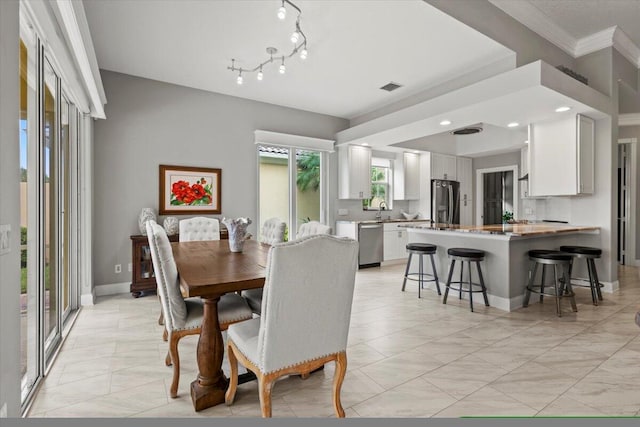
[381, 185]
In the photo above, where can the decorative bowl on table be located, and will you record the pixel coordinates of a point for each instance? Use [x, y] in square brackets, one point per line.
[410, 215]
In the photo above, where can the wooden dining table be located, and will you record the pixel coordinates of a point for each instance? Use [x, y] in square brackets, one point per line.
[208, 269]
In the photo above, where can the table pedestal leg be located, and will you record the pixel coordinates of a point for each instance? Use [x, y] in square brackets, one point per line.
[209, 388]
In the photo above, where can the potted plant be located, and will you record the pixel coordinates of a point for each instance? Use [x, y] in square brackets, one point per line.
[507, 217]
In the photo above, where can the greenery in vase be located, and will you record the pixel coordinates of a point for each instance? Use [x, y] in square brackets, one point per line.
[507, 216]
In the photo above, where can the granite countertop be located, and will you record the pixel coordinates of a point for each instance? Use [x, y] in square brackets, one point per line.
[382, 221]
[509, 229]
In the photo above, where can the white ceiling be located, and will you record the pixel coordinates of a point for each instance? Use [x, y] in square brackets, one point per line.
[354, 48]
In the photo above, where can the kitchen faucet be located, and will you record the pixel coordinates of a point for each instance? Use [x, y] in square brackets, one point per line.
[381, 206]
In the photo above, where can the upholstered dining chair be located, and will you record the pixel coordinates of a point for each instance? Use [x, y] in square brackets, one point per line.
[272, 232]
[183, 317]
[199, 228]
[306, 309]
[312, 228]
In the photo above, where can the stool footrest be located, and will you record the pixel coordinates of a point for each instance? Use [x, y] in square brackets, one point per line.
[463, 289]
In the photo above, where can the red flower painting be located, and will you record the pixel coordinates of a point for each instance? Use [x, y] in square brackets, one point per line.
[185, 193]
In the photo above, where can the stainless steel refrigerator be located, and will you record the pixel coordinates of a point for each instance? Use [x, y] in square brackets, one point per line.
[445, 201]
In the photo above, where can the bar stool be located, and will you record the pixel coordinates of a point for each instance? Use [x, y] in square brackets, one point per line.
[421, 249]
[562, 286]
[468, 255]
[589, 255]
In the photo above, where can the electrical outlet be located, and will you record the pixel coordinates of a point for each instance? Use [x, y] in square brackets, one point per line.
[129, 267]
[5, 243]
[118, 268]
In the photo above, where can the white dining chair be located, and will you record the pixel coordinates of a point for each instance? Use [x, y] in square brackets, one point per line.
[306, 309]
[272, 232]
[182, 316]
[312, 228]
[199, 228]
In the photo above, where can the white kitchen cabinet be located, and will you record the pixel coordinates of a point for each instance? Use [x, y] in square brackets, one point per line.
[395, 241]
[466, 212]
[406, 174]
[561, 157]
[443, 166]
[524, 171]
[354, 172]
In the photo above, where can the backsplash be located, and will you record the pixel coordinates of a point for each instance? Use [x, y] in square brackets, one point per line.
[355, 212]
[552, 208]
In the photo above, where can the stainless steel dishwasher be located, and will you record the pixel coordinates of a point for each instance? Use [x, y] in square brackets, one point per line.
[371, 241]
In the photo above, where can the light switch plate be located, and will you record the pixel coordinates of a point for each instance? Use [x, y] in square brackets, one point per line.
[5, 245]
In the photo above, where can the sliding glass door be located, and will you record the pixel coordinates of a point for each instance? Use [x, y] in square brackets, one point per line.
[291, 186]
[47, 140]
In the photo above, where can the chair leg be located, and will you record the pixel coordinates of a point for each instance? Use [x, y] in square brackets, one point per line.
[446, 289]
[595, 277]
[420, 274]
[264, 387]
[558, 290]
[165, 335]
[460, 284]
[167, 359]
[406, 271]
[484, 288]
[544, 269]
[338, 378]
[592, 287]
[230, 395]
[569, 288]
[175, 359]
[161, 318]
[470, 287]
[435, 273]
[527, 294]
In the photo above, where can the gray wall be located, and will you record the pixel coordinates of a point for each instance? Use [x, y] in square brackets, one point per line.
[151, 123]
[597, 67]
[10, 212]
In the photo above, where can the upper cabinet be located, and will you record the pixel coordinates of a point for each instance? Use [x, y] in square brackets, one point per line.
[443, 166]
[354, 179]
[561, 157]
[406, 173]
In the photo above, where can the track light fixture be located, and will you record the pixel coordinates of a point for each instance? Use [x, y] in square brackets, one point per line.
[298, 39]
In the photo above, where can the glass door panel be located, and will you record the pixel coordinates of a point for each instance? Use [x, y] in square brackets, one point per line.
[29, 292]
[50, 172]
[273, 178]
[65, 183]
[308, 182]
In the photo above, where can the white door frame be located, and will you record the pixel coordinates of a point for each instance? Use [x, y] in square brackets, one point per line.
[631, 256]
[480, 189]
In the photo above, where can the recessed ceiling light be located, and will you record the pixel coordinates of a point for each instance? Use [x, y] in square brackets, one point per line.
[513, 124]
[365, 144]
[445, 122]
[562, 109]
[527, 141]
[416, 152]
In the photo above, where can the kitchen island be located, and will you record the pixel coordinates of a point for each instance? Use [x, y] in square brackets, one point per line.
[506, 264]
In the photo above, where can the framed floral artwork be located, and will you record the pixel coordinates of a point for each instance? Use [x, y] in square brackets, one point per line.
[189, 190]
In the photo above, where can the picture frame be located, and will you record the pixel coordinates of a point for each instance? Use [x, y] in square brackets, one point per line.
[188, 190]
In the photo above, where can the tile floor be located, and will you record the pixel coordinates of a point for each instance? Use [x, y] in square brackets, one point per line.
[407, 358]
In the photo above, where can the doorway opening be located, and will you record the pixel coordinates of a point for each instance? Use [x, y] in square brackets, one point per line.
[497, 194]
[626, 217]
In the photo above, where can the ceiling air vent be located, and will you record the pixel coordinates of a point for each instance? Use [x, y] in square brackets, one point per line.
[391, 86]
[467, 131]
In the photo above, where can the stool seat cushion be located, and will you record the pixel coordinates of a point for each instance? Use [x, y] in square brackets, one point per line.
[582, 250]
[422, 247]
[466, 252]
[549, 254]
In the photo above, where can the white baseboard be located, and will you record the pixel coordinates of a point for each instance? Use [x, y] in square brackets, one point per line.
[88, 299]
[112, 289]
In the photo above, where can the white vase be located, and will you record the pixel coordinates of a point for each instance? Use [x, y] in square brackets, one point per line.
[237, 232]
[145, 215]
[171, 225]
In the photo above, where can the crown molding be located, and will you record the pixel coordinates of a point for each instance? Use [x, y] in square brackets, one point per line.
[531, 17]
[626, 47]
[594, 42]
[631, 119]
